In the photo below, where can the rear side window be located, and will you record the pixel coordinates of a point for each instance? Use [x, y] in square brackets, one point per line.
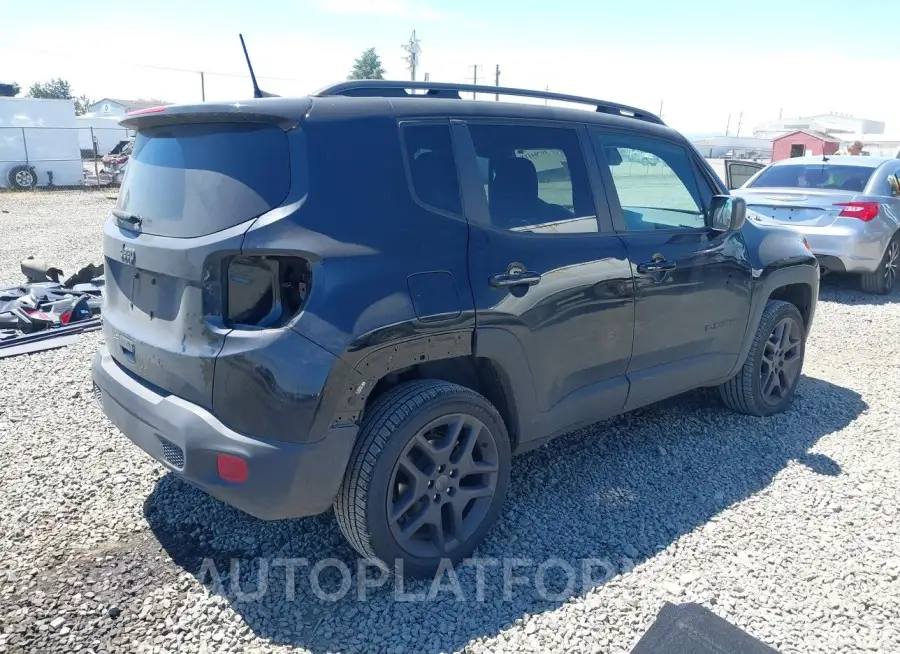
[432, 166]
[535, 179]
[195, 179]
[823, 176]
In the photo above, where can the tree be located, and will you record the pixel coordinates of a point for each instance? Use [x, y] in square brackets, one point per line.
[9, 90]
[58, 89]
[82, 103]
[368, 66]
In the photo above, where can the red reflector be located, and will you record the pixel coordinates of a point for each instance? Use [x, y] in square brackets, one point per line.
[66, 317]
[148, 110]
[862, 210]
[232, 468]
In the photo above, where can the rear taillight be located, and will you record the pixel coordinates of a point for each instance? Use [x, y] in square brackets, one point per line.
[861, 210]
[264, 291]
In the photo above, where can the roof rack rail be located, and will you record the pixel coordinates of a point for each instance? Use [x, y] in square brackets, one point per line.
[400, 89]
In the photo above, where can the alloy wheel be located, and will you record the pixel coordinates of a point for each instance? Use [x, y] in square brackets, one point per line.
[781, 361]
[442, 485]
[891, 264]
[24, 179]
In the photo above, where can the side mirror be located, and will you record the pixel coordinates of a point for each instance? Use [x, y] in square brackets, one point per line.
[726, 213]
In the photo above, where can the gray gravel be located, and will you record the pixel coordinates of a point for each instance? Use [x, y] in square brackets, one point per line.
[787, 527]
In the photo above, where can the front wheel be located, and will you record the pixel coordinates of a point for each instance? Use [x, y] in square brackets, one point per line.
[768, 379]
[883, 280]
[427, 477]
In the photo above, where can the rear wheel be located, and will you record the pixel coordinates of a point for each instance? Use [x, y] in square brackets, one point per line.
[768, 379]
[427, 478]
[883, 280]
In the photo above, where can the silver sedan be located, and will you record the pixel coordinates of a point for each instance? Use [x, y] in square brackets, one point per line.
[848, 208]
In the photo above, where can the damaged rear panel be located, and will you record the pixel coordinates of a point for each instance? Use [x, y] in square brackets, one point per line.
[198, 178]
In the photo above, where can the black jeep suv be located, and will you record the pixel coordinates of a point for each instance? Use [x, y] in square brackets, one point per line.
[373, 296]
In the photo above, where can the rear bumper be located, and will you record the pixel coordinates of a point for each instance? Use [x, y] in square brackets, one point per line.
[285, 479]
[853, 248]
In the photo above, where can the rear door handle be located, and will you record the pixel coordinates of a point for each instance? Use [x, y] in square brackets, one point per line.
[655, 266]
[505, 280]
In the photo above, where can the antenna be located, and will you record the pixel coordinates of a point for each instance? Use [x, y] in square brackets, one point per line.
[257, 92]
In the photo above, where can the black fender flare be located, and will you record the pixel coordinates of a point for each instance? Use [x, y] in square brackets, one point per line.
[764, 287]
[351, 384]
[346, 392]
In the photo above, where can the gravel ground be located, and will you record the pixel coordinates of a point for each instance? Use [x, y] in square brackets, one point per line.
[786, 526]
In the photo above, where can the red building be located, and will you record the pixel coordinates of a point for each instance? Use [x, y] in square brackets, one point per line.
[803, 143]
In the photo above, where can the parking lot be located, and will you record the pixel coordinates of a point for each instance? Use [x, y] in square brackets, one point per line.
[786, 526]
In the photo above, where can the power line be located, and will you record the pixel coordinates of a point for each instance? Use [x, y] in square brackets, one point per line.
[193, 71]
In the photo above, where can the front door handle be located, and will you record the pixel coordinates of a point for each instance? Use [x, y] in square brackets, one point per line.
[655, 266]
[506, 280]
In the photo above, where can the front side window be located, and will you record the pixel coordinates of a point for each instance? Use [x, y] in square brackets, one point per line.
[535, 179]
[432, 166]
[654, 180]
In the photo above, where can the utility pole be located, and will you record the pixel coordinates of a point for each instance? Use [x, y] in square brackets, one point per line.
[497, 82]
[475, 77]
[660, 108]
[546, 90]
[728, 124]
[740, 118]
[413, 51]
[202, 87]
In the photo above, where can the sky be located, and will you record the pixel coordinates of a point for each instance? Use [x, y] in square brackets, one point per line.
[702, 61]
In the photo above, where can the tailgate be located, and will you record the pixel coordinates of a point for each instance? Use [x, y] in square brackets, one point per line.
[157, 292]
[190, 192]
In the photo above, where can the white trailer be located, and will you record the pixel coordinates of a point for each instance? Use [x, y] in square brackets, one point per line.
[39, 143]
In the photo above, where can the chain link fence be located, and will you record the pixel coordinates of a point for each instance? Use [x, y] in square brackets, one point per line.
[58, 158]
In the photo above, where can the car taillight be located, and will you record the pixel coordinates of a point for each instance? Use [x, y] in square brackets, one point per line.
[862, 210]
[264, 291]
[147, 110]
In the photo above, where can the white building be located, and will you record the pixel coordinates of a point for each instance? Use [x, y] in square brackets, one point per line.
[119, 107]
[839, 125]
[737, 147]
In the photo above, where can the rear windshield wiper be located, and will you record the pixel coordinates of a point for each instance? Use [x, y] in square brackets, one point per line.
[132, 218]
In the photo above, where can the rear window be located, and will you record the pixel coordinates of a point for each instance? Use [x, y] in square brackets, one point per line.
[822, 176]
[192, 180]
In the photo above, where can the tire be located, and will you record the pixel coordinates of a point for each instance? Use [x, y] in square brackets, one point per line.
[884, 279]
[746, 392]
[21, 178]
[390, 437]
